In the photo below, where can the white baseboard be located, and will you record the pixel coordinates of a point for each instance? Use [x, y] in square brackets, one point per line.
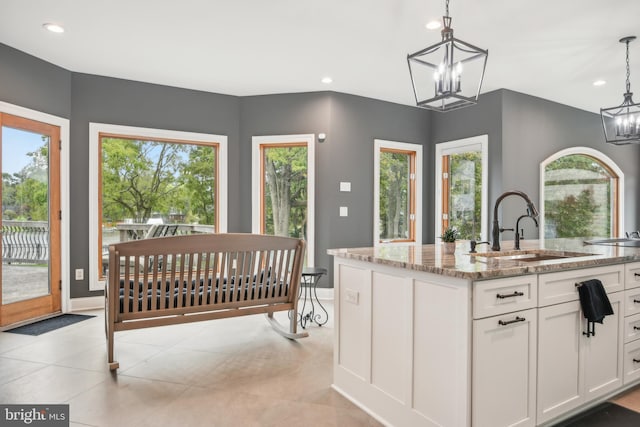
[325, 294]
[87, 303]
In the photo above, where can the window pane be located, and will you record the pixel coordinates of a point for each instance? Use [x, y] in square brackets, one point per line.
[285, 191]
[395, 171]
[147, 185]
[465, 193]
[577, 198]
[25, 215]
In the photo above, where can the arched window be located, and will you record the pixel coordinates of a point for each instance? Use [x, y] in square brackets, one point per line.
[580, 191]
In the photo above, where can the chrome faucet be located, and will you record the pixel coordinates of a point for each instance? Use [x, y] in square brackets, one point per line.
[496, 230]
[520, 235]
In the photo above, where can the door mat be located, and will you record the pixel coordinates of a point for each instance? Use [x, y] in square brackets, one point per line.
[49, 325]
[604, 415]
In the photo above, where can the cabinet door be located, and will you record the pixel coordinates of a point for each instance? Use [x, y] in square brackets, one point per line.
[504, 370]
[603, 357]
[559, 380]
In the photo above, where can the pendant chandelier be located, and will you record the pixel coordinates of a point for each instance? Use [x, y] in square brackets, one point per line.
[621, 124]
[447, 75]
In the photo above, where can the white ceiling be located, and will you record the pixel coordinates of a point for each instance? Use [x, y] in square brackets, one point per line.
[553, 49]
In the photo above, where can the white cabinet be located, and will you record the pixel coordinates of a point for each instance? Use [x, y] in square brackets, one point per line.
[573, 368]
[505, 295]
[504, 370]
[632, 275]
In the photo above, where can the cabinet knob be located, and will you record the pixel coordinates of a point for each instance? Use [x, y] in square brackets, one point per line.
[636, 361]
[636, 274]
[508, 322]
[636, 328]
[515, 294]
[637, 301]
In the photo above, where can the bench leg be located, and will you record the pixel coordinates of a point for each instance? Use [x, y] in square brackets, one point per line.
[113, 365]
[109, 332]
[292, 334]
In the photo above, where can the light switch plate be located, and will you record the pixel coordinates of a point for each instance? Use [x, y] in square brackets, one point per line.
[344, 211]
[345, 186]
[351, 296]
[79, 274]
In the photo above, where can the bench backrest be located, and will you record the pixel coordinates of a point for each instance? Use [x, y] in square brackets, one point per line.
[200, 272]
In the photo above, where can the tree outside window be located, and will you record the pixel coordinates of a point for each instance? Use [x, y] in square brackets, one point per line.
[395, 184]
[142, 179]
[285, 190]
[579, 197]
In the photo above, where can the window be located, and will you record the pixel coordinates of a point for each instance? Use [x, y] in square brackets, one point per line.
[580, 190]
[154, 183]
[397, 192]
[283, 188]
[461, 190]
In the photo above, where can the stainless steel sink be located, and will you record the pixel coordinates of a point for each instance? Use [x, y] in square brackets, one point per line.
[532, 255]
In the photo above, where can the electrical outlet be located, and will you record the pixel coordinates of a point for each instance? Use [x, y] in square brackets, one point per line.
[79, 273]
[351, 296]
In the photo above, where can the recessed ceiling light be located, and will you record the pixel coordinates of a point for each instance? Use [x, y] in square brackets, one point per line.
[327, 80]
[54, 28]
[599, 83]
[433, 25]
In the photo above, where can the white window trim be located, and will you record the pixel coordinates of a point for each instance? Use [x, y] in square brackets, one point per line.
[380, 144]
[63, 124]
[95, 129]
[256, 193]
[474, 143]
[603, 158]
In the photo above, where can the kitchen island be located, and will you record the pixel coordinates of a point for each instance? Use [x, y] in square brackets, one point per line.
[493, 339]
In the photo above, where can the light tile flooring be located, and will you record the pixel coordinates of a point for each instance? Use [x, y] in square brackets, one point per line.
[229, 372]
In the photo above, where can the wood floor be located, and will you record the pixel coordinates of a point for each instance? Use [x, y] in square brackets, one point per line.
[228, 372]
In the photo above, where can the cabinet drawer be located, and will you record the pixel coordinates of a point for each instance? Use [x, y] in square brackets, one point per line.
[555, 288]
[632, 275]
[631, 328]
[631, 302]
[499, 296]
[631, 361]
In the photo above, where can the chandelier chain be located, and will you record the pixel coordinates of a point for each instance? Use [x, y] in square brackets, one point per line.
[628, 70]
[447, 10]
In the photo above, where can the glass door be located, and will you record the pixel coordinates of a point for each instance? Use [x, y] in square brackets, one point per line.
[30, 223]
[461, 187]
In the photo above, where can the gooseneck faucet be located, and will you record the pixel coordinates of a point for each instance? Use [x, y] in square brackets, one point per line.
[518, 234]
[495, 232]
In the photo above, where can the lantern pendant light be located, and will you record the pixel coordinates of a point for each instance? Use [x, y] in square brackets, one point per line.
[621, 124]
[447, 75]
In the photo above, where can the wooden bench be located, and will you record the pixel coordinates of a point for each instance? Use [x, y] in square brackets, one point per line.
[181, 279]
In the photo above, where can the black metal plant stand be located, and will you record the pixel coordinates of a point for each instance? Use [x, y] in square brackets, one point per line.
[307, 294]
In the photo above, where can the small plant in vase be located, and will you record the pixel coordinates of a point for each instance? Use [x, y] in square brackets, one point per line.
[449, 237]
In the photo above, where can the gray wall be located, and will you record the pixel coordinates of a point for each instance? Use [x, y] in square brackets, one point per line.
[355, 123]
[535, 128]
[484, 118]
[123, 102]
[523, 130]
[351, 123]
[33, 83]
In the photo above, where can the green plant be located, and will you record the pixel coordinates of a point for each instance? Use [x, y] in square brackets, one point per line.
[450, 234]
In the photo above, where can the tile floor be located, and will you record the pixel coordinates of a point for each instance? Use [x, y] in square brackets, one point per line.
[229, 372]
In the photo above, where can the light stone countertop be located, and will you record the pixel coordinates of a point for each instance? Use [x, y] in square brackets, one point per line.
[462, 264]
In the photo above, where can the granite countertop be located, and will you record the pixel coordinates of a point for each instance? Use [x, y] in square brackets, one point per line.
[462, 264]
